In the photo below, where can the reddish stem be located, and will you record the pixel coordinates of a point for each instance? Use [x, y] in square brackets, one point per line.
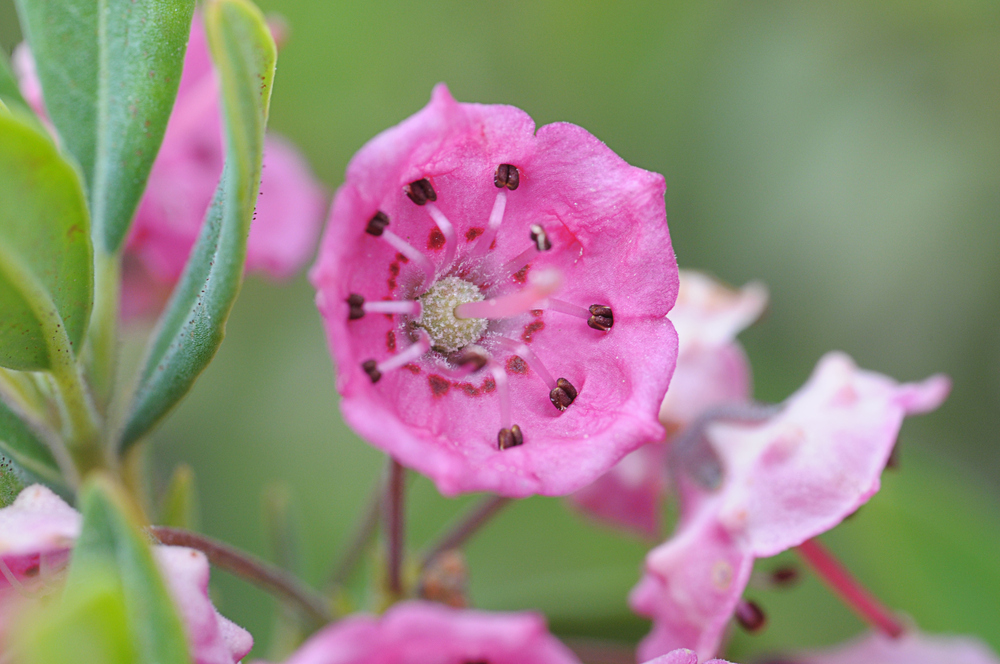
[393, 521]
[466, 527]
[849, 589]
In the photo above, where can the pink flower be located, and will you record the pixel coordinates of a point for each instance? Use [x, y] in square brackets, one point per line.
[37, 533]
[911, 648]
[463, 239]
[784, 481]
[682, 656]
[427, 633]
[712, 369]
[183, 180]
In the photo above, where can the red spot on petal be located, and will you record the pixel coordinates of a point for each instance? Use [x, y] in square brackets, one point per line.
[530, 329]
[515, 365]
[469, 389]
[402, 259]
[435, 241]
[439, 385]
[489, 385]
[537, 313]
[412, 368]
[521, 275]
[394, 269]
[493, 244]
[390, 341]
[391, 283]
[473, 233]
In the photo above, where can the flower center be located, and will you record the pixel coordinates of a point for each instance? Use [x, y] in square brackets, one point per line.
[437, 314]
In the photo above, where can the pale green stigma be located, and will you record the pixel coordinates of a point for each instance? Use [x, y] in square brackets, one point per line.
[437, 314]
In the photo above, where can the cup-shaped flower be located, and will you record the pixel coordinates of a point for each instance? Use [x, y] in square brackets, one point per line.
[712, 369]
[463, 240]
[784, 481]
[182, 182]
[37, 534]
[911, 648]
[418, 632]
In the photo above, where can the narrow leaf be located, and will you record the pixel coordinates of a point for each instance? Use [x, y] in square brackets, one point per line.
[46, 259]
[192, 328]
[24, 448]
[9, 92]
[110, 536]
[109, 72]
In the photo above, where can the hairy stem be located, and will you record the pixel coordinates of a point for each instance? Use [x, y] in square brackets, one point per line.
[364, 531]
[849, 589]
[263, 575]
[393, 522]
[466, 527]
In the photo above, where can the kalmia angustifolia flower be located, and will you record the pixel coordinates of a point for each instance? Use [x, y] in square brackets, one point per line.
[911, 648]
[37, 534]
[712, 369]
[754, 490]
[462, 240]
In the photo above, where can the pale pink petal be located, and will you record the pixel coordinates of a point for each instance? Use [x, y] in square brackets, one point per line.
[683, 656]
[912, 648]
[710, 314]
[23, 63]
[427, 633]
[212, 638]
[446, 427]
[37, 524]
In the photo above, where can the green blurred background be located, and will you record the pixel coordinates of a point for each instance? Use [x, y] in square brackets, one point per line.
[845, 153]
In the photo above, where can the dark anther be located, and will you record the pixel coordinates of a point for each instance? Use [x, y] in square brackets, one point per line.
[356, 304]
[507, 176]
[511, 437]
[421, 191]
[471, 356]
[540, 238]
[377, 224]
[563, 394]
[371, 368]
[750, 616]
[601, 317]
[785, 576]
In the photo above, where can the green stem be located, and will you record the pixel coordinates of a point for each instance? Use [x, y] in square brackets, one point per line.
[101, 349]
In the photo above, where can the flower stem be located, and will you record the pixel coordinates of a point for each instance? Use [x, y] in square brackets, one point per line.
[101, 351]
[394, 523]
[362, 537]
[466, 527]
[263, 575]
[856, 596]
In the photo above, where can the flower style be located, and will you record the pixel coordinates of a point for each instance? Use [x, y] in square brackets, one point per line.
[783, 481]
[183, 180]
[445, 248]
[37, 533]
[418, 632]
[911, 648]
[712, 369]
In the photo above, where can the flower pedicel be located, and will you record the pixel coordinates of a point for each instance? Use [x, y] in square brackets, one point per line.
[495, 299]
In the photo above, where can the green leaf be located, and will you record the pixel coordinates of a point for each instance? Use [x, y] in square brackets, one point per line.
[88, 627]
[9, 91]
[110, 536]
[46, 260]
[24, 448]
[192, 328]
[10, 482]
[109, 72]
[179, 505]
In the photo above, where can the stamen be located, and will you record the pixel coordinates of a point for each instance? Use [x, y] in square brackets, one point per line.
[358, 307]
[750, 616]
[598, 316]
[541, 284]
[507, 176]
[377, 226]
[376, 369]
[421, 191]
[496, 218]
[503, 392]
[563, 395]
[511, 437]
[448, 230]
[540, 242]
[528, 355]
[470, 359]
[784, 576]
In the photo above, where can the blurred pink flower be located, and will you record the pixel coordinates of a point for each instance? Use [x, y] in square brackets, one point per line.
[712, 369]
[911, 648]
[37, 533]
[783, 481]
[683, 656]
[463, 209]
[418, 632]
[182, 182]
